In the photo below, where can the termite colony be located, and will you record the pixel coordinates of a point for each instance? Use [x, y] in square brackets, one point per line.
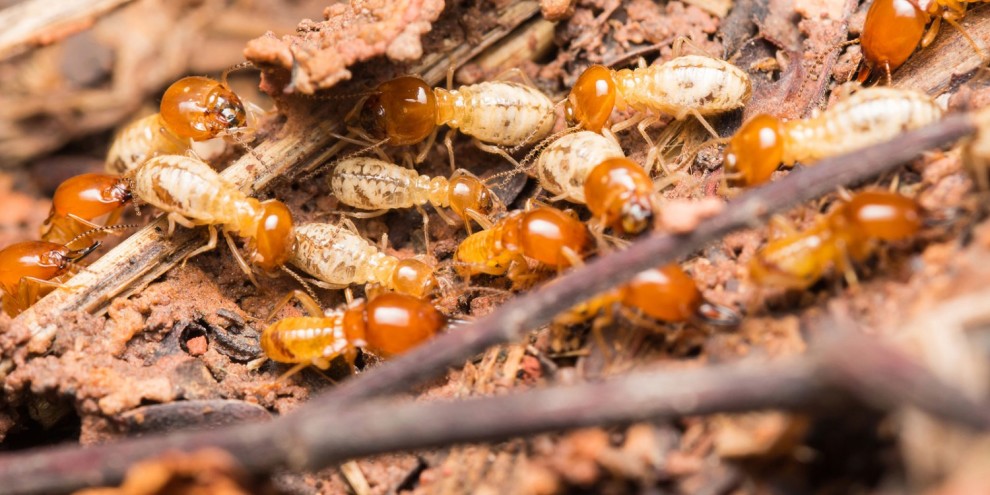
[594, 194]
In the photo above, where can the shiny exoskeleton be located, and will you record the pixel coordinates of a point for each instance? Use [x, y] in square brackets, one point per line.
[373, 184]
[895, 28]
[547, 235]
[683, 86]
[83, 203]
[194, 194]
[192, 109]
[339, 257]
[29, 270]
[847, 234]
[869, 116]
[406, 110]
[388, 325]
[666, 293]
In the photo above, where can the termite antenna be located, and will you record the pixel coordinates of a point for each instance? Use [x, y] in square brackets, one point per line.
[641, 51]
[536, 129]
[99, 230]
[542, 145]
[234, 68]
[331, 164]
[302, 282]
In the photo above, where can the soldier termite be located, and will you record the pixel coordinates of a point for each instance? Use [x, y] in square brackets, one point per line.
[192, 109]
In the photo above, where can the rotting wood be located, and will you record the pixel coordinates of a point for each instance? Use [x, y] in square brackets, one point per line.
[35, 23]
[832, 373]
[297, 147]
[944, 63]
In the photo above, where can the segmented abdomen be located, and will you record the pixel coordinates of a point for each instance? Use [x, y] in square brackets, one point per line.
[337, 256]
[191, 188]
[869, 116]
[140, 140]
[503, 113]
[564, 166]
[373, 184]
[302, 339]
[705, 84]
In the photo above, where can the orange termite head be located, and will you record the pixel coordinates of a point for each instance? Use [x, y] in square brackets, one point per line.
[89, 196]
[891, 32]
[470, 193]
[666, 293]
[414, 277]
[396, 323]
[548, 235]
[882, 215]
[619, 192]
[591, 100]
[756, 150]
[38, 259]
[201, 108]
[404, 110]
[273, 241]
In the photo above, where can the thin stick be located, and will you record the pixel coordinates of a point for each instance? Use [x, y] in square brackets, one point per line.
[843, 366]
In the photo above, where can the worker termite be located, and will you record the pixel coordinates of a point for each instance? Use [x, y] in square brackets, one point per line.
[373, 184]
[894, 28]
[666, 293]
[589, 168]
[689, 85]
[194, 194]
[547, 235]
[868, 116]
[81, 200]
[339, 257]
[845, 235]
[29, 270]
[388, 325]
[193, 109]
[406, 110]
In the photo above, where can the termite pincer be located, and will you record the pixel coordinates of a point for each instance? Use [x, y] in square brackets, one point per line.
[388, 325]
[894, 28]
[192, 109]
[80, 201]
[666, 293]
[29, 270]
[406, 110]
[373, 184]
[845, 235]
[339, 257]
[194, 194]
[544, 234]
[692, 85]
[869, 116]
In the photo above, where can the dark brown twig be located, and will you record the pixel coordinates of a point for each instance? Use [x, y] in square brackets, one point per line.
[877, 375]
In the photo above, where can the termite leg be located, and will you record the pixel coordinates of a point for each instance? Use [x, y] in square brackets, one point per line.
[494, 149]
[308, 303]
[238, 258]
[426, 229]
[175, 218]
[210, 245]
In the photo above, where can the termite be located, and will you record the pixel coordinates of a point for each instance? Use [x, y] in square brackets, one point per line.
[868, 116]
[388, 325]
[666, 294]
[29, 270]
[80, 201]
[547, 235]
[193, 109]
[339, 257]
[373, 184]
[590, 168]
[689, 85]
[406, 110]
[845, 235]
[194, 194]
[895, 28]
